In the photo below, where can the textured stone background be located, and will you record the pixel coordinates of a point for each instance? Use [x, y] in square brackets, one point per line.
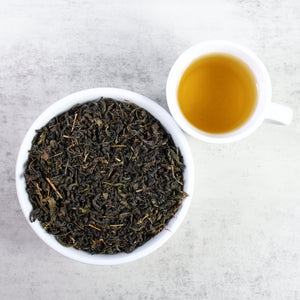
[241, 237]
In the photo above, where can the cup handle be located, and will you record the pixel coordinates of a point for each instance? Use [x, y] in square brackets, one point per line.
[279, 114]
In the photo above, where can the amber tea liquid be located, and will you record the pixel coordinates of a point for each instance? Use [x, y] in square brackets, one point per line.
[217, 93]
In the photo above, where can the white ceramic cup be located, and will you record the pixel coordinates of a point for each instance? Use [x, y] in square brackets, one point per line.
[265, 109]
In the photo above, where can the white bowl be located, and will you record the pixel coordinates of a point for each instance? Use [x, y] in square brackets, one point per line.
[170, 125]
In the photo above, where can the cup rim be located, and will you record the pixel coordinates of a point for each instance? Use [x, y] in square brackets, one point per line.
[168, 123]
[226, 47]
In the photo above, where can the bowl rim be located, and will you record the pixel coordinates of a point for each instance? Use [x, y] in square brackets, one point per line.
[121, 95]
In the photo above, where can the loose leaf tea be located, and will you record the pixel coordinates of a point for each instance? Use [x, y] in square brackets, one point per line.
[104, 177]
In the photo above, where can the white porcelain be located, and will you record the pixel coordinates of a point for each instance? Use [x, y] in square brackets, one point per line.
[170, 125]
[265, 109]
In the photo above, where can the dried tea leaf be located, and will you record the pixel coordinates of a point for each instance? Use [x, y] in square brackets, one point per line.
[104, 177]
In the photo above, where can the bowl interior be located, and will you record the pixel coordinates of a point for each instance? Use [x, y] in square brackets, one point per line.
[118, 94]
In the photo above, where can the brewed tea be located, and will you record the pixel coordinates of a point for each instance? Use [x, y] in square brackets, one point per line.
[217, 93]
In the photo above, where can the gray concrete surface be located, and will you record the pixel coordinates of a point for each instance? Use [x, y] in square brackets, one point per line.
[241, 237]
